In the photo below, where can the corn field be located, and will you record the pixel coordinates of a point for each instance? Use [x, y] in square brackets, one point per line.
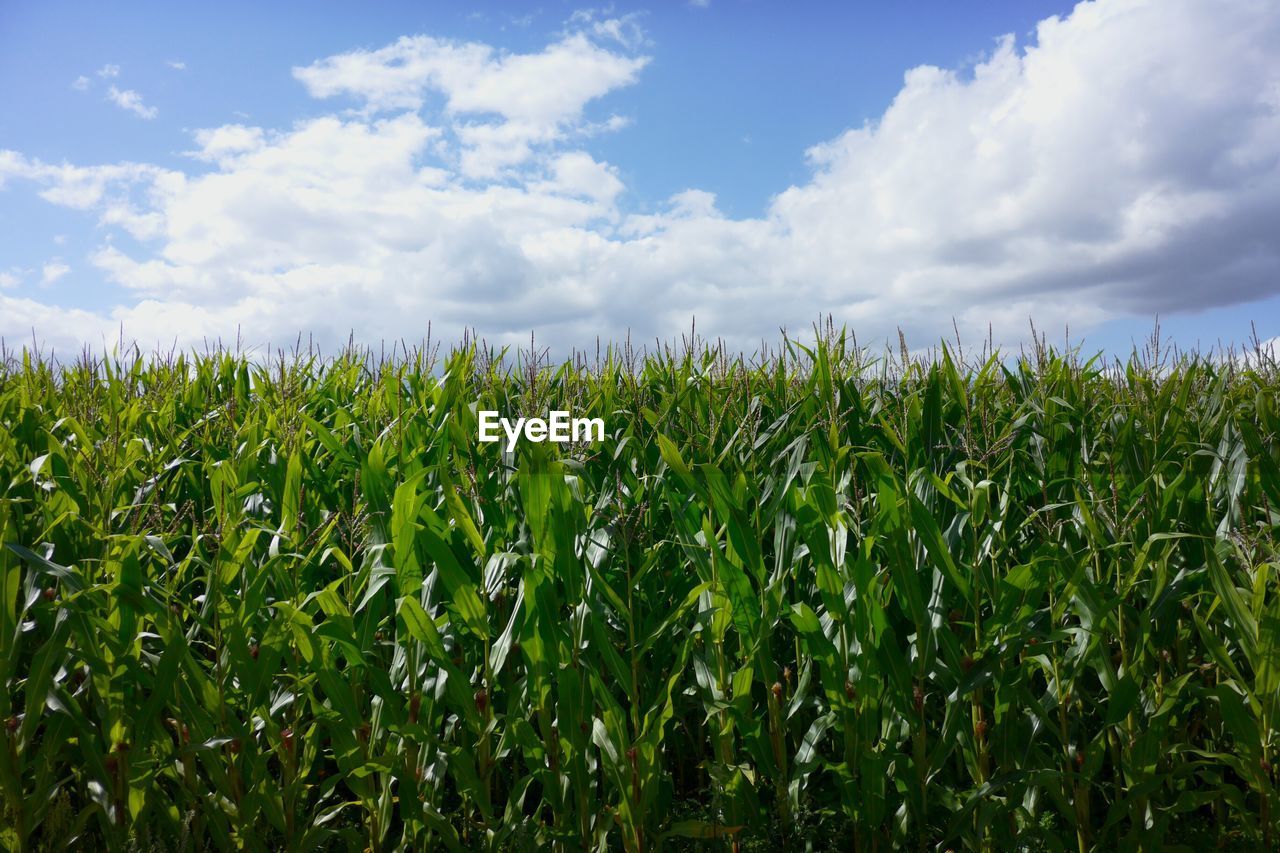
[820, 599]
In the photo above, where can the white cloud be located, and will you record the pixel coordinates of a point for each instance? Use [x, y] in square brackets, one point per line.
[52, 271]
[502, 106]
[1127, 162]
[8, 279]
[80, 187]
[130, 100]
[109, 71]
[1258, 354]
[223, 144]
[80, 84]
[176, 65]
[578, 174]
[604, 26]
[52, 326]
[1124, 163]
[549, 86]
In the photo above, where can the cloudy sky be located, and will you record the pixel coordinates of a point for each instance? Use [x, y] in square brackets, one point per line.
[185, 173]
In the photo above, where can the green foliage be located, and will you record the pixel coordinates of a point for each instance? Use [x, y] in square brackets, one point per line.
[816, 599]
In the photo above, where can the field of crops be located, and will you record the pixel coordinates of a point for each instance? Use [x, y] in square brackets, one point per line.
[824, 598]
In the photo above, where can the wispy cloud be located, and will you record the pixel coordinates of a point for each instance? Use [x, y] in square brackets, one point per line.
[80, 84]
[109, 70]
[52, 271]
[626, 30]
[177, 65]
[127, 99]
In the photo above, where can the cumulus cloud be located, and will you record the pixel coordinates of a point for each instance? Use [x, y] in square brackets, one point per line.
[1126, 161]
[80, 84]
[127, 99]
[502, 106]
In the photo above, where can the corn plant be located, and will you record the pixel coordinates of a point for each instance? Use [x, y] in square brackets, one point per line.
[818, 597]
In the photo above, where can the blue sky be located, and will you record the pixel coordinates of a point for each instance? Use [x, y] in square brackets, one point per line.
[185, 172]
